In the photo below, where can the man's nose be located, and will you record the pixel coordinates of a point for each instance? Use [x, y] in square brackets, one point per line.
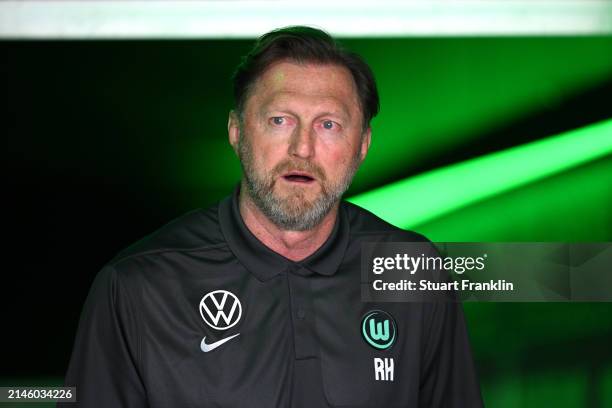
[302, 142]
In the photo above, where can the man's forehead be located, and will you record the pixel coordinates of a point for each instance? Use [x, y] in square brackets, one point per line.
[284, 80]
[282, 71]
[284, 100]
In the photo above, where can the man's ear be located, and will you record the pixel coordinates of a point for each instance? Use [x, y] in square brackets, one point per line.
[366, 138]
[233, 129]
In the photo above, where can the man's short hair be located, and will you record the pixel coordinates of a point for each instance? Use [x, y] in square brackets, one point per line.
[303, 44]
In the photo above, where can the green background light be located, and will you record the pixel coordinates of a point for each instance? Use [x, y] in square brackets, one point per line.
[421, 198]
[440, 94]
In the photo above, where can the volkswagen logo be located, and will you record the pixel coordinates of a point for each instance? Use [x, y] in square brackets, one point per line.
[220, 309]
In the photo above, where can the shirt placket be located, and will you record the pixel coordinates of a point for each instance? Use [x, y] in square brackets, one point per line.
[302, 313]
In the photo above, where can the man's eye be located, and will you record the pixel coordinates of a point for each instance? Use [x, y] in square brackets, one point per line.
[328, 124]
[278, 120]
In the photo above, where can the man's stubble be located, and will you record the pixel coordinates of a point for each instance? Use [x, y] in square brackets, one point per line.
[292, 212]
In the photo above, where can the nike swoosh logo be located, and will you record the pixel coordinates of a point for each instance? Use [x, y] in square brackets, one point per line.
[210, 347]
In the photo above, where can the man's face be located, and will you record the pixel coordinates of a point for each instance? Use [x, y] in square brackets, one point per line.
[301, 141]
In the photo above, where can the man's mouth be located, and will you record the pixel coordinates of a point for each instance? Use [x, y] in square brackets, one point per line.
[298, 177]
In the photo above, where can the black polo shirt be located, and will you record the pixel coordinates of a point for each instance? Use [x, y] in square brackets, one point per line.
[202, 314]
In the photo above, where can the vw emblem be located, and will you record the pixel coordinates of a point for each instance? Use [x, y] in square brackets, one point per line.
[220, 309]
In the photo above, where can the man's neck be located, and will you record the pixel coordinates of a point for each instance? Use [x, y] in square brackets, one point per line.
[294, 245]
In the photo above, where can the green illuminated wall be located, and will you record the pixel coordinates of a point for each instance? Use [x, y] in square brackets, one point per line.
[438, 94]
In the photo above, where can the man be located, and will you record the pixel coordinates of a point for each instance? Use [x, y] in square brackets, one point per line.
[256, 301]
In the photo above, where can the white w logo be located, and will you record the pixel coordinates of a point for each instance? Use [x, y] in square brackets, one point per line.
[213, 317]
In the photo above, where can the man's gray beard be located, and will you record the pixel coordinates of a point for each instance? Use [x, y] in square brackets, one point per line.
[298, 215]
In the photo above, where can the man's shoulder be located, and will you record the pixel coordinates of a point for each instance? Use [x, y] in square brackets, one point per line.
[364, 222]
[196, 230]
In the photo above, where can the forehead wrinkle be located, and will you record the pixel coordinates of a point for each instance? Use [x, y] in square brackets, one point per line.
[282, 101]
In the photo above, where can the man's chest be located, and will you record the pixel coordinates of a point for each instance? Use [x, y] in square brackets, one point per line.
[226, 339]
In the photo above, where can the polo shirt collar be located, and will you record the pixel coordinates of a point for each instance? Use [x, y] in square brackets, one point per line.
[263, 262]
